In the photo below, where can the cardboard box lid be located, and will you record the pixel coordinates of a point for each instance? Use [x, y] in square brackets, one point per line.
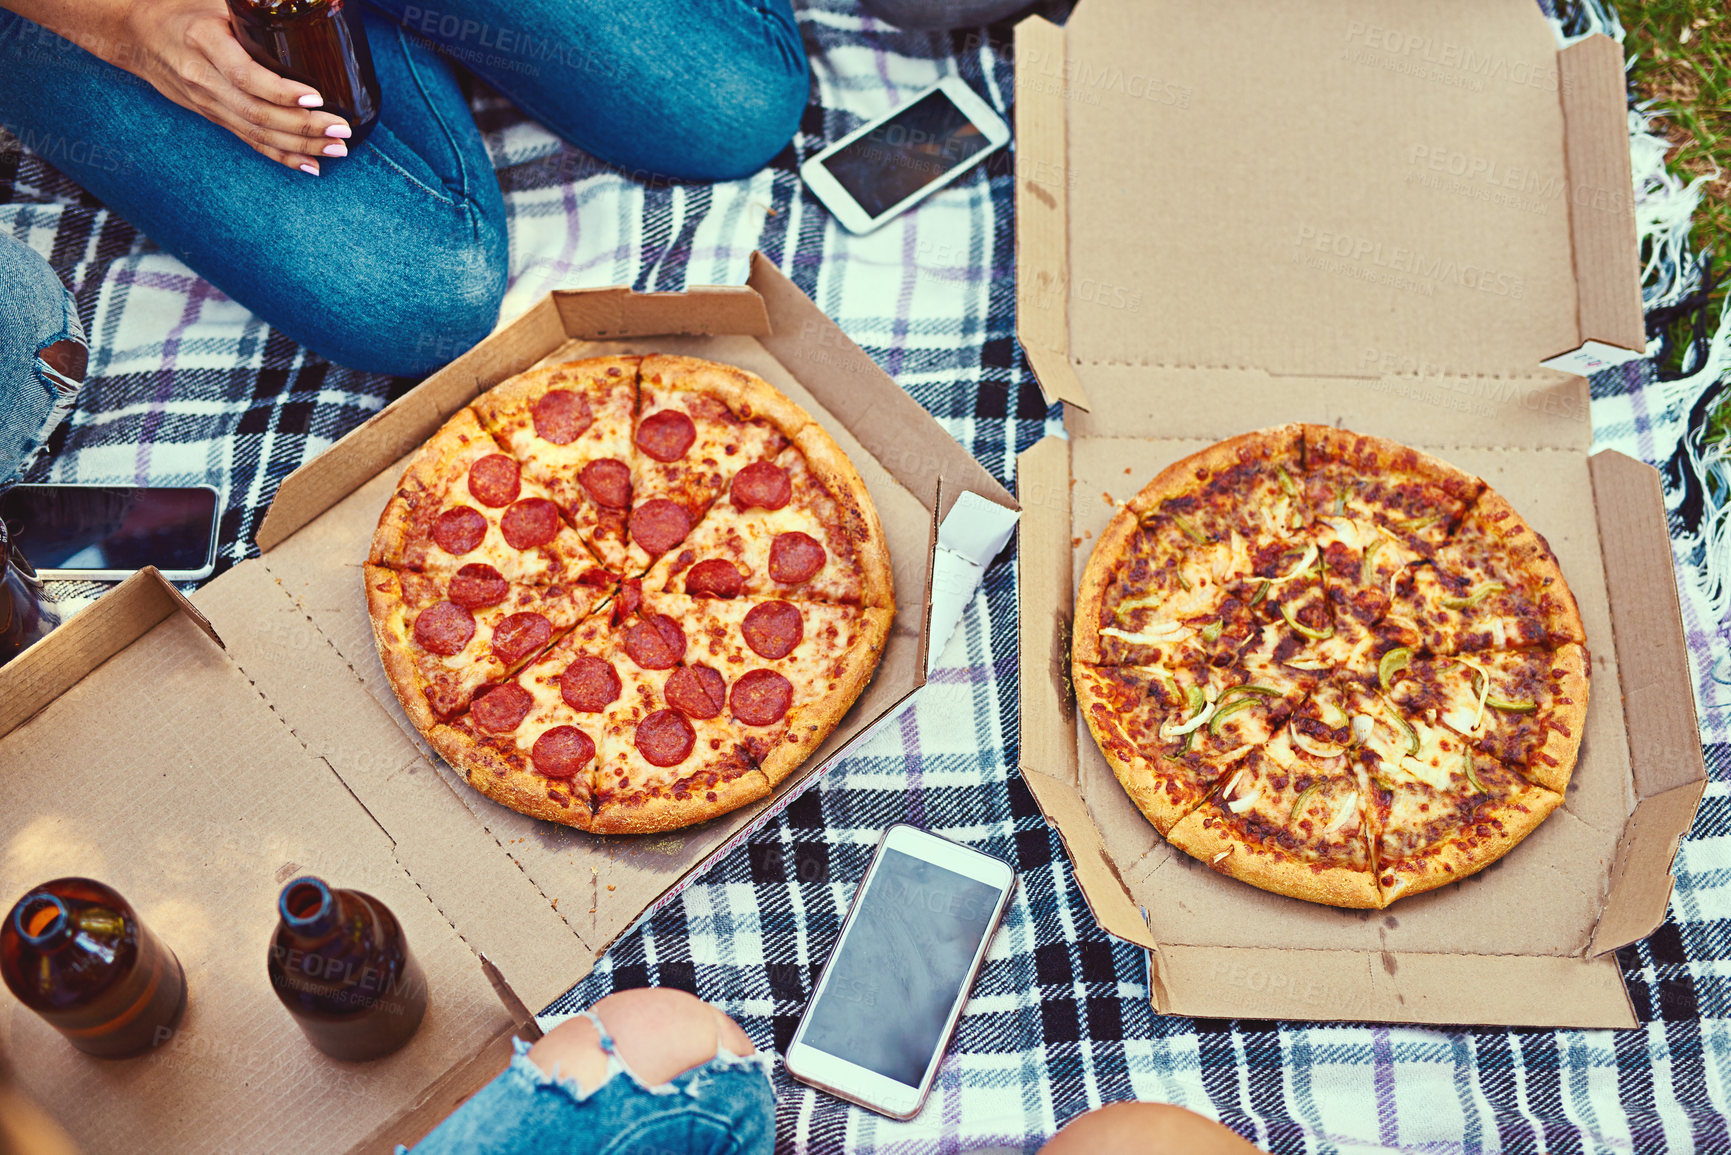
[1465, 225]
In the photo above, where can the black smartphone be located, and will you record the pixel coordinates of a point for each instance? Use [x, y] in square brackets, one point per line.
[105, 532]
[894, 987]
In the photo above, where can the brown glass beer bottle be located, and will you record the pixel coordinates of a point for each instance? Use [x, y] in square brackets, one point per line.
[317, 42]
[340, 964]
[74, 952]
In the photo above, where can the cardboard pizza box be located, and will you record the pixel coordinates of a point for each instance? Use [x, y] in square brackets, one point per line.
[1406, 221]
[197, 753]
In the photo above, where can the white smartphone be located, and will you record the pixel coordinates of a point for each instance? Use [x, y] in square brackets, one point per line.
[892, 163]
[105, 532]
[888, 999]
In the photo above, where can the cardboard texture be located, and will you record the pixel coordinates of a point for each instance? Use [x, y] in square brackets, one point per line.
[256, 737]
[1389, 231]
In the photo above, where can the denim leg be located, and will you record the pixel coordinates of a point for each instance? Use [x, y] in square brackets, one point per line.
[687, 89]
[36, 311]
[723, 1107]
[393, 261]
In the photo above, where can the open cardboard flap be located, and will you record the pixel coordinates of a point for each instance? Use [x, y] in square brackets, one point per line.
[253, 737]
[1200, 257]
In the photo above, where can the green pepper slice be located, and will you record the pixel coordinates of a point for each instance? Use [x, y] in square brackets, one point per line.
[1187, 529]
[1221, 713]
[1300, 627]
[1304, 796]
[1511, 705]
[1475, 597]
[1411, 734]
[1392, 664]
[1211, 631]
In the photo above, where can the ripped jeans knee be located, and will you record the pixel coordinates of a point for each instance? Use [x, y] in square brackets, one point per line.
[723, 1106]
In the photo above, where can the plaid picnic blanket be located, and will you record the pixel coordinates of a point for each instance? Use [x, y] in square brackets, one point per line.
[187, 387]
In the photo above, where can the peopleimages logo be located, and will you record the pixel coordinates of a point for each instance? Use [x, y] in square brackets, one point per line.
[1364, 252]
[1428, 54]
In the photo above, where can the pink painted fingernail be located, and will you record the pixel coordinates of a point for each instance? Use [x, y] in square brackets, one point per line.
[335, 149]
[312, 100]
[310, 169]
[340, 131]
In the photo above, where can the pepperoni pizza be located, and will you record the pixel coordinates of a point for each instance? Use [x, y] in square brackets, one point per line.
[1331, 666]
[629, 593]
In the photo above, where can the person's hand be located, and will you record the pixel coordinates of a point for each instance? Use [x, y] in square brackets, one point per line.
[188, 52]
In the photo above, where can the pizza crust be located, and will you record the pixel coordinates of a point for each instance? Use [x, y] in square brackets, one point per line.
[660, 808]
[832, 470]
[391, 636]
[494, 775]
[1553, 764]
[1203, 836]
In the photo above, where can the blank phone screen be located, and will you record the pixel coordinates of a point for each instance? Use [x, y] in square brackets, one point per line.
[110, 527]
[894, 979]
[905, 153]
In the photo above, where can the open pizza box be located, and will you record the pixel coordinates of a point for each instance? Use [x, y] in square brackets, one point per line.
[1390, 218]
[198, 754]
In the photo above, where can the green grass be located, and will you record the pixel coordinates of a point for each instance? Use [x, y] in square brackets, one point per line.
[1682, 54]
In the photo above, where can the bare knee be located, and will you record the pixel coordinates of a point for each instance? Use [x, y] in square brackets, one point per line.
[659, 1033]
[1145, 1129]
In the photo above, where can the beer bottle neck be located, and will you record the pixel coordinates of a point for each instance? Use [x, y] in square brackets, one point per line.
[43, 922]
[308, 908]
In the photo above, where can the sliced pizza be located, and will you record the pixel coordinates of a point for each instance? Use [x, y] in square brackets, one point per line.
[789, 669]
[443, 638]
[794, 529]
[1503, 564]
[698, 423]
[612, 719]
[1289, 822]
[1435, 828]
[1410, 495]
[570, 426]
[1526, 708]
[462, 501]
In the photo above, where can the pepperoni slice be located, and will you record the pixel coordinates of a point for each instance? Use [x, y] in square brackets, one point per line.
[715, 578]
[502, 708]
[530, 523]
[495, 480]
[666, 435]
[696, 691]
[630, 597]
[561, 752]
[658, 525]
[665, 738]
[589, 684]
[761, 698]
[520, 635]
[795, 557]
[444, 629]
[773, 629]
[656, 642]
[459, 529]
[608, 481]
[561, 416]
[478, 586]
[763, 484]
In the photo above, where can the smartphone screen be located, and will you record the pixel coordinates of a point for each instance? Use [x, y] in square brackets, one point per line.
[112, 528]
[908, 952]
[905, 153]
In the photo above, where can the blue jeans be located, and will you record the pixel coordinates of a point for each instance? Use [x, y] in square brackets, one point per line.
[36, 311]
[723, 1107]
[394, 260]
